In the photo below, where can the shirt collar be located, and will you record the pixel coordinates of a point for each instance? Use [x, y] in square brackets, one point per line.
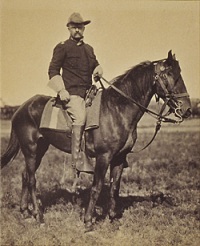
[78, 43]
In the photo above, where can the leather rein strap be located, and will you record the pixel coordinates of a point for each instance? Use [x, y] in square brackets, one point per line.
[160, 117]
[158, 124]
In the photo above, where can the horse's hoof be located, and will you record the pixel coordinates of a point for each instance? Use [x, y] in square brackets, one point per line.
[88, 227]
[39, 218]
[42, 225]
[112, 215]
[29, 221]
[26, 215]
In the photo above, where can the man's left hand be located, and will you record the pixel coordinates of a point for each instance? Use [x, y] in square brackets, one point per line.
[98, 72]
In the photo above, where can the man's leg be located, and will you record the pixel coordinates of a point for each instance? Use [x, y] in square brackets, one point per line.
[77, 111]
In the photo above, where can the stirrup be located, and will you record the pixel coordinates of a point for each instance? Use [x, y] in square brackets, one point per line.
[85, 164]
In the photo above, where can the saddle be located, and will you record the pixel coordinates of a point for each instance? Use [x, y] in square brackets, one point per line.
[55, 116]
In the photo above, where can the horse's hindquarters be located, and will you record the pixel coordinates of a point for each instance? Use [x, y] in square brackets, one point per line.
[59, 139]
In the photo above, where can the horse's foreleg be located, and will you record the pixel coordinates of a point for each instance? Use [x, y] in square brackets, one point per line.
[99, 175]
[115, 177]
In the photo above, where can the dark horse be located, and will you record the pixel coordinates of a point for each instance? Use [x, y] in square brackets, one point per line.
[112, 141]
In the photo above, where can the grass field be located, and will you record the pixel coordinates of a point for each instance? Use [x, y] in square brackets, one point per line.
[159, 196]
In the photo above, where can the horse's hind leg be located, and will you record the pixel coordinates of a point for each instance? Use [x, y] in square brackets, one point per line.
[33, 156]
[115, 177]
[29, 184]
[24, 196]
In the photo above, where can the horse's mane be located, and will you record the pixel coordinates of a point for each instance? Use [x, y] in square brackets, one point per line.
[133, 69]
[135, 81]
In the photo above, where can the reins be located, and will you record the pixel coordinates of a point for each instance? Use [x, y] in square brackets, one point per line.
[160, 118]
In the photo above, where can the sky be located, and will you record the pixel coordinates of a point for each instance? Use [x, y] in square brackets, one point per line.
[122, 33]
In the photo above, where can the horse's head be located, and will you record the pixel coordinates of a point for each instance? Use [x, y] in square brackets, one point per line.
[169, 85]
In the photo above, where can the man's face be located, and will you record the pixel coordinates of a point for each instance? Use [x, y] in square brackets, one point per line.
[76, 31]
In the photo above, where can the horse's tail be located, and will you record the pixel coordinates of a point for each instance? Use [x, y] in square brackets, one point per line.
[11, 151]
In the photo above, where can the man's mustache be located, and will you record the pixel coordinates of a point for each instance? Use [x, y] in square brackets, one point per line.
[81, 36]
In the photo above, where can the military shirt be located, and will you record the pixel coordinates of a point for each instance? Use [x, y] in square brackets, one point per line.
[75, 63]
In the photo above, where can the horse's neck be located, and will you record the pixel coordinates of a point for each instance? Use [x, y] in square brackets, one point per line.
[137, 84]
[147, 96]
[141, 93]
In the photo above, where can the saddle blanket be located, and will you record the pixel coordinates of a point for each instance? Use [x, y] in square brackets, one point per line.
[56, 118]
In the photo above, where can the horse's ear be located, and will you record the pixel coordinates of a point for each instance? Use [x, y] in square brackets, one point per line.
[170, 56]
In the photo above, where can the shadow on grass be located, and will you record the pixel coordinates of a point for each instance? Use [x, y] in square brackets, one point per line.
[81, 199]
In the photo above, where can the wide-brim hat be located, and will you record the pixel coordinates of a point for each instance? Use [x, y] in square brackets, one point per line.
[76, 18]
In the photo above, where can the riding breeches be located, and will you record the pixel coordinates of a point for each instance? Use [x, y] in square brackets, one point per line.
[76, 110]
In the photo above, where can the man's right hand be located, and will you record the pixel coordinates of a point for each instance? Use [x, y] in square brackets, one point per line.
[64, 95]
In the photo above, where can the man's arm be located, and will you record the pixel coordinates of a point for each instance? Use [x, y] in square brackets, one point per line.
[56, 82]
[57, 60]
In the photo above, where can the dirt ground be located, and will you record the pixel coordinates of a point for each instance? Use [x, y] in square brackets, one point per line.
[159, 201]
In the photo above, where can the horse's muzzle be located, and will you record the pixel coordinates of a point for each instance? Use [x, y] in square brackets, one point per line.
[181, 108]
[187, 113]
[182, 115]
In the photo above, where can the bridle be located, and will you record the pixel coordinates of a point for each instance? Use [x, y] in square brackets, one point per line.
[159, 77]
[169, 96]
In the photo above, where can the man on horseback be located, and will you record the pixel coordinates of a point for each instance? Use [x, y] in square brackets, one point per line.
[78, 63]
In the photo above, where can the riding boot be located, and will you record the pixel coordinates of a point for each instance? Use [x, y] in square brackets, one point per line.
[79, 160]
